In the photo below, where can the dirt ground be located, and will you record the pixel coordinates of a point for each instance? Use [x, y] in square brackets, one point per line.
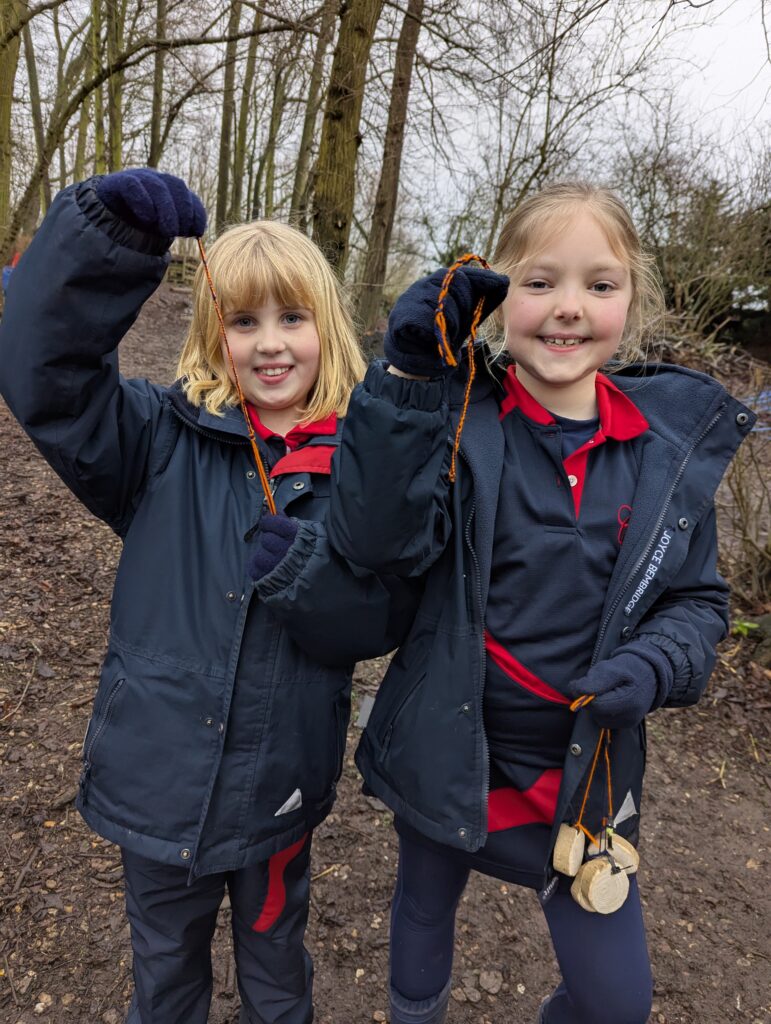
[64, 944]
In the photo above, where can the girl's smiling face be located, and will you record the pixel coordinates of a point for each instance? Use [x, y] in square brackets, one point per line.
[565, 318]
[277, 353]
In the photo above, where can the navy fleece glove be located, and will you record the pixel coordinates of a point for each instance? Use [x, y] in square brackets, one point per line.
[627, 685]
[274, 538]
[410, 342]
[157, 203]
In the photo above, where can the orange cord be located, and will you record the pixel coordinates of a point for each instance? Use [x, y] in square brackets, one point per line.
[603, 744]
[445, 349]
[250, 429]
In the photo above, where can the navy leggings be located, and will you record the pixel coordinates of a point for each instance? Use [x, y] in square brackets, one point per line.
[603, 958]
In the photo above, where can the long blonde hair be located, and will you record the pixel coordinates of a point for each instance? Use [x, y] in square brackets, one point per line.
[532, 224]
[249, 264]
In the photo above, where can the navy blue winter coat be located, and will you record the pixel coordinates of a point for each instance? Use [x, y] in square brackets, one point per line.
[216, 737]
[424, 751]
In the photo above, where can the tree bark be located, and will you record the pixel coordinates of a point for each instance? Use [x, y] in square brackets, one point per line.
[239, 158]
[116, 18]
[371, 294]
[100, 160]
[298, 209]
[228, 93]
[340, 138]
[36, 109]
[154, 156]
[10, 13]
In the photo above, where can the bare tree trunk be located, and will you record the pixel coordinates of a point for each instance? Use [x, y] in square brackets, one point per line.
[388, 187]
[9, 60]
[276, 113]
[239, 161]
[116, 18]
[79, 170]
[100, 161]
[223, 170]
[36, 109]
[340, 139]
[157, 108]
[298, 211]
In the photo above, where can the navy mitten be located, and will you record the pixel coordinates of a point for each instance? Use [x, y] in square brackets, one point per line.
[626, 686]
[274, 538]
[157, 203]
[411, 343]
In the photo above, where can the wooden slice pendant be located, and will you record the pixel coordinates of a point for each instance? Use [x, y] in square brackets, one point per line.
[602, 888]
[622, 851]
[568, 850]
[575, 892]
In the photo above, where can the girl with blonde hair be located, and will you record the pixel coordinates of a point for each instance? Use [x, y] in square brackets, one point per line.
[219, 726]
[569, 587]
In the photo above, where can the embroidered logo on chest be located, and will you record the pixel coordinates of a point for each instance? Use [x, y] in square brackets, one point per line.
[623, 517]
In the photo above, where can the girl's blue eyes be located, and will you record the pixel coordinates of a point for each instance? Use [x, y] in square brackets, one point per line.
[290, 319]
[602, 287]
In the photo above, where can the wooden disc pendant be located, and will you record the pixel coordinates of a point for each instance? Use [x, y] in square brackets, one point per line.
[622, 851]
[602, 887]
[575, 892]
[568, 850]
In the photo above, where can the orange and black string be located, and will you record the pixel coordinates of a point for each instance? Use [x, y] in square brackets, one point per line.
[603, 746]
[445, 349]
[250, 429]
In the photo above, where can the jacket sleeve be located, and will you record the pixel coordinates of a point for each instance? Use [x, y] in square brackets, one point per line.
[690, 618]
[73, 296]
[337, 612]
[389, 501]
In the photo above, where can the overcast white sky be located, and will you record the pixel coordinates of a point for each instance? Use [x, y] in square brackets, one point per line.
[730, 86]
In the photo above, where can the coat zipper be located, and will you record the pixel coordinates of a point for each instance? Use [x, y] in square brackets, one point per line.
[654, 533]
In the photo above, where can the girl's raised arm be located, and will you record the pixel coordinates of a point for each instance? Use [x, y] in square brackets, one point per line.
[73, 297]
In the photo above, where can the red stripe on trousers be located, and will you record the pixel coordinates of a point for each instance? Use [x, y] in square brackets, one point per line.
[275, 901]
[517, 671]
[507, 808]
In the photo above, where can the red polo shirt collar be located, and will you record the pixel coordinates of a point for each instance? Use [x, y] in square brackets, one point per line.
[620, 418]
[299, 434]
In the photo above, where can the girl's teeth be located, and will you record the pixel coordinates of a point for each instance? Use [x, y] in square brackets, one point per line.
[275, 372]
[563, 341]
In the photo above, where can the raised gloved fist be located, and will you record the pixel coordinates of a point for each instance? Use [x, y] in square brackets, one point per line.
[411, 343]
[154, 202]
[274, 538]
[627, 686]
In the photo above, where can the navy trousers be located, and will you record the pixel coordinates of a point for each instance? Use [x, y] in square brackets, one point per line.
[603, 958]
[172, 925]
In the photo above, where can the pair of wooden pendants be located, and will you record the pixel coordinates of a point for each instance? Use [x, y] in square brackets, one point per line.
[600, 884]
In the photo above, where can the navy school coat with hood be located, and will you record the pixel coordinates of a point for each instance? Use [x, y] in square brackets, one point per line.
[219, 723]
[392, 509]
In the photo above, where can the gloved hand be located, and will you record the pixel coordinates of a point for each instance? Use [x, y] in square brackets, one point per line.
[274, 538]
[157, 203]
[627, 686]
[411, 343]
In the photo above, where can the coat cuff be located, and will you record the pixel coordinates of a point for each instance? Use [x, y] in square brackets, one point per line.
[116, 229]
[293, 563]
[422, 395]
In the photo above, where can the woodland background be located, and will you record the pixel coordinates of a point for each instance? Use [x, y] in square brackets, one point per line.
[398, 135]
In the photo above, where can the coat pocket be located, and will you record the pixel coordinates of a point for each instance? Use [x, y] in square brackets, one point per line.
[95, 732]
